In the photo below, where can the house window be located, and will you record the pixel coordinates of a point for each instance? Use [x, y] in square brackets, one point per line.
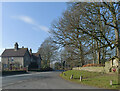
[5, 65]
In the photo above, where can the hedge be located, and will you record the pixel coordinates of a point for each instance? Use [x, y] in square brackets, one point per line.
[93, 65]
[4, 73]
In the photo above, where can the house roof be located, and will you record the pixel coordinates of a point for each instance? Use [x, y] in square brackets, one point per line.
[36, 55]
[12, 53]
[114, 57]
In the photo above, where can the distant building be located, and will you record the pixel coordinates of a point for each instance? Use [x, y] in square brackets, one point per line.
[112, 63]
[35, 59]
[19, 58]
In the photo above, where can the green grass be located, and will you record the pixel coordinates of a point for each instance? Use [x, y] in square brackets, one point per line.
[92, 78]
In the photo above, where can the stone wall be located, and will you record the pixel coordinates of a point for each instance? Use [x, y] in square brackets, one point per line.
[108, 66]
[92, 69]
[112, 64]
[15, 60]
[27, 59]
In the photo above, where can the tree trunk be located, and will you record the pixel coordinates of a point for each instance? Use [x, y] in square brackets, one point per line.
[93, 53]
[118, 49]
[117, 34]
[81, 55]
[98, 43]
[98, 52]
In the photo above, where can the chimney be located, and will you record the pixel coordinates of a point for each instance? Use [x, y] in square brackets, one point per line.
[16, 46]
[30, 51]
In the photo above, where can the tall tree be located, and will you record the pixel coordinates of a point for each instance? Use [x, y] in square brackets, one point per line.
[109, 18]
[85, 23]
[48, 51]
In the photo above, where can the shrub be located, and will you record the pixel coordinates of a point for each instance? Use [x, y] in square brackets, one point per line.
[13, 72]
[33, 65]
[93, 65]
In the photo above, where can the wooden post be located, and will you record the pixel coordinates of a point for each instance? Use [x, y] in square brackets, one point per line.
[71, 77]
[81, 78]
[111, 82]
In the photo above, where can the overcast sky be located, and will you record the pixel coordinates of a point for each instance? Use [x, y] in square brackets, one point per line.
[28, 23]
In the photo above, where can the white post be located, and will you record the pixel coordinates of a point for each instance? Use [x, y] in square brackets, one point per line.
[26, 68]
[110, 82]
[71, 77]
[81, 78]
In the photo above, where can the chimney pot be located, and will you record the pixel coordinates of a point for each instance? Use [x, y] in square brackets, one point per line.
[16, 46]
[30, 51]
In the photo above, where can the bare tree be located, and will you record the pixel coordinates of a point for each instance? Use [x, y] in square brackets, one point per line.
[107, 13]
[89, 27]
[48, 51]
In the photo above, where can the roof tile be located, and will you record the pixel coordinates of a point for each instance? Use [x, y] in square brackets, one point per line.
[12, 53]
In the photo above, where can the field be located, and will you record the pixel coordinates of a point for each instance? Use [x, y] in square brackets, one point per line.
[96, 79]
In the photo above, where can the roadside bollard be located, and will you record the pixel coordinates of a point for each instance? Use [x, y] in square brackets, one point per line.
[110, 82]
[71, 77]
[81, 78]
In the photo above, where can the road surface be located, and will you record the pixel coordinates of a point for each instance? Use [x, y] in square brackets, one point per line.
[40, 80]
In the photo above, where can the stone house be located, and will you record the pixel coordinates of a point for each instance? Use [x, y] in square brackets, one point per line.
[35, 59]
[18, 58]
[112, 64]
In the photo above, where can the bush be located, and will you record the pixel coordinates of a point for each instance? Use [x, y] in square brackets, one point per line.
[46, 69]
[13, 72]
[41, 69]
[93, 65]
[33, 65]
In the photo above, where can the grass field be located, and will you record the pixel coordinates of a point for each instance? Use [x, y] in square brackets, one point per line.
[92, 78]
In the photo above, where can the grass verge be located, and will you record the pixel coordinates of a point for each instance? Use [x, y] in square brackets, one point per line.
[92, 78]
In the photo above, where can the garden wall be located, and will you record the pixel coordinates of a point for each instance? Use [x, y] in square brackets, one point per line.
[92, 69]
[6, 73]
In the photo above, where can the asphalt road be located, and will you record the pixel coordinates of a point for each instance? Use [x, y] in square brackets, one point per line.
[40, 80]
